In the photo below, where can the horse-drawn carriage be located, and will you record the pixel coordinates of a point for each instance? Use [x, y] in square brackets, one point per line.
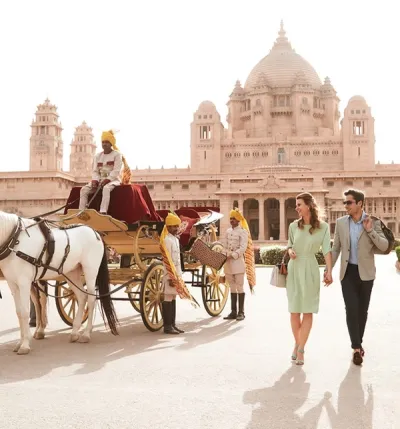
[132, 228]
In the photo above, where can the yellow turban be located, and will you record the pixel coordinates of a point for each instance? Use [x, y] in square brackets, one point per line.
[236, 215]
[172, 220]
[108, 136]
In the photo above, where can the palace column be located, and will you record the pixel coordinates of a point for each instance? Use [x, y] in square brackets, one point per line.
[241, 204]
[225, 205]
[261, 220]
[282, 223]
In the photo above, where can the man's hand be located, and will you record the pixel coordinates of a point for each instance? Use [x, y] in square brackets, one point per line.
[367, 224]
[292, 254]
[105, 182]
[95, 183]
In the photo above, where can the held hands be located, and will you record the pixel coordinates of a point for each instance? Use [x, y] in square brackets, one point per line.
[292, 254]
[328, 278]
[95, 183]
[367, 224]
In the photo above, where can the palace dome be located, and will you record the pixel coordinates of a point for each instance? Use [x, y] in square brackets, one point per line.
[282, 66]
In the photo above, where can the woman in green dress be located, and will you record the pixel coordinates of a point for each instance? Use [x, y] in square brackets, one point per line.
[306, 236]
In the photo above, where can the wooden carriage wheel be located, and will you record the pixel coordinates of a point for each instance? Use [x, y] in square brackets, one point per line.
[134, 294]
[143, 234]
[214, 293]
[151, 297]
[66, 303]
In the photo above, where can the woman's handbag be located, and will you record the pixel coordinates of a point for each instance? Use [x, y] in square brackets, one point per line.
[279, 273]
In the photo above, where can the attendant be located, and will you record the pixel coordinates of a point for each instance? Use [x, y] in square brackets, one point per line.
[237, 243]
[173, 283]
[306, 237]
[109, 170]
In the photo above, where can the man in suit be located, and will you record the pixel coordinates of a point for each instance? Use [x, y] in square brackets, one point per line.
[357, 237]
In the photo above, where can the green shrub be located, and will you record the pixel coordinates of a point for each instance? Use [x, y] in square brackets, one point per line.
[272, 255]
[396, 244]
[397, 249]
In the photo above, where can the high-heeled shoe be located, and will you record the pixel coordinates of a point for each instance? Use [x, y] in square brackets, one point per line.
[294, 357]
[300, 361]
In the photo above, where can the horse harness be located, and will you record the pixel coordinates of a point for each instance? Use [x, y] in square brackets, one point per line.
[49, 246]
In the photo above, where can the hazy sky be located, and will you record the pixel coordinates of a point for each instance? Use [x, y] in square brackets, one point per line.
[143, 67]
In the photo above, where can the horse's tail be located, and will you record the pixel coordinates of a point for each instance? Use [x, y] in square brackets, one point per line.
[106, 304]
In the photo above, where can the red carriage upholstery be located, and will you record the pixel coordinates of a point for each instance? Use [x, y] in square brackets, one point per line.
[129, 203]
[186, 215]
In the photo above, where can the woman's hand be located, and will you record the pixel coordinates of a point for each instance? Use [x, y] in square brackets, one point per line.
[292, 254]
[328, 278]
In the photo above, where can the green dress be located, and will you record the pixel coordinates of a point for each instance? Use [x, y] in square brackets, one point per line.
[303, 281]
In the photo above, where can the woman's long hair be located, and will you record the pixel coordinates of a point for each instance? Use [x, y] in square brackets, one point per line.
[314, 211]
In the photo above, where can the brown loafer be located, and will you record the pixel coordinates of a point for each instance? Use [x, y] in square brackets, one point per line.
[357, 358]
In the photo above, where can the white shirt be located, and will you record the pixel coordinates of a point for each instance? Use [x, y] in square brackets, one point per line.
[172, 246]
[235, 243]
[108, 166]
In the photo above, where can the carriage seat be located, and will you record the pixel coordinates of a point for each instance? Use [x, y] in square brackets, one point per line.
[128, 203]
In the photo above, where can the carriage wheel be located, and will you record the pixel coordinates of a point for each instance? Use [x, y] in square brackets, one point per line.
[134, 295]
[214, 293]
[141, 260]
[66, 303]
[151, 297]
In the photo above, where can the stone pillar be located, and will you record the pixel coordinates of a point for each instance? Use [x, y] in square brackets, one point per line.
[282, 220]
[225, 207]
[261, 219]
[241, 204]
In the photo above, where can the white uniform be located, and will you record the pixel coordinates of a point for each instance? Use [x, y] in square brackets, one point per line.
[172, 246]
[105, 166]
[235, 244]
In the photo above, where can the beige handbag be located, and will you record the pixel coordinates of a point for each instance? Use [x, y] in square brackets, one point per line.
[279, 274]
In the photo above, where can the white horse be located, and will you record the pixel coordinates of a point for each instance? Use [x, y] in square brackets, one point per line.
[87, 255]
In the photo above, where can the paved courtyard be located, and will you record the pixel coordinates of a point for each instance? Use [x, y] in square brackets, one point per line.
[217, 375]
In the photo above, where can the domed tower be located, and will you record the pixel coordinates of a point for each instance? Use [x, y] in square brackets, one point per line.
[207, 133]
[83, 149]
[283, 96]
[46, 145]
[358, 136]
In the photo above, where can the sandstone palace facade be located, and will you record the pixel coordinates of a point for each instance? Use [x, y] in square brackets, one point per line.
[285, 135]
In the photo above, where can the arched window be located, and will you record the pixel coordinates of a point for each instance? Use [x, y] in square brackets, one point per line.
[281, 155]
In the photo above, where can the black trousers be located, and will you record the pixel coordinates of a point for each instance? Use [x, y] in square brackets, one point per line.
[356, 295]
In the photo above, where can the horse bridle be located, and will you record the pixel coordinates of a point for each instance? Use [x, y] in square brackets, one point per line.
[8, 246]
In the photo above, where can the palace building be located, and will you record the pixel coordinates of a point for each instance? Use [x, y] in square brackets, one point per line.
[284, 135]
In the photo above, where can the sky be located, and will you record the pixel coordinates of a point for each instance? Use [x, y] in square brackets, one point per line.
[143, 67]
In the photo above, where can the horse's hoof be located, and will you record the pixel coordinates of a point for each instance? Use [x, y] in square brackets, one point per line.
[73, 338]
[84, 339]
[39, 335]
[16, 348]
[23, 350]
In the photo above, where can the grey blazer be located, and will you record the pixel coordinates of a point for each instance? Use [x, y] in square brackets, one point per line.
[368, 245]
